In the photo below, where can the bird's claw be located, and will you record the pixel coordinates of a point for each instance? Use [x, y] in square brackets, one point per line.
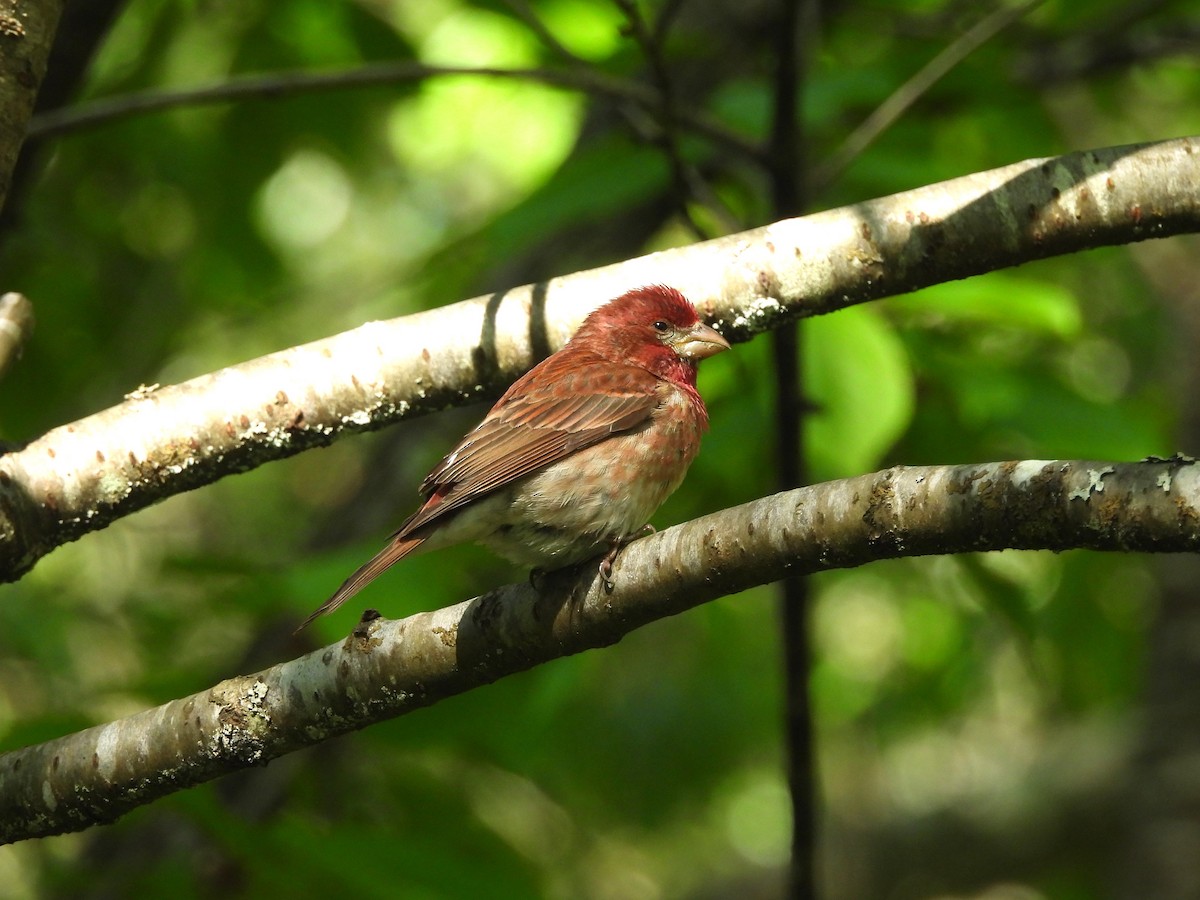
[606, 568]
[606, 564]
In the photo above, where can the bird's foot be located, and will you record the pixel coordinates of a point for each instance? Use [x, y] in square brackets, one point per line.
[615, 546]
[606, 567]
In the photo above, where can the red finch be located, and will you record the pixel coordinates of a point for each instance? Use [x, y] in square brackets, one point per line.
[578, 453]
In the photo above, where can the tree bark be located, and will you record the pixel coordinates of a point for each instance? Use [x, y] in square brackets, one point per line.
[26, 36]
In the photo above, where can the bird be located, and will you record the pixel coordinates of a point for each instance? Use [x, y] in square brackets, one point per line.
[577, 454]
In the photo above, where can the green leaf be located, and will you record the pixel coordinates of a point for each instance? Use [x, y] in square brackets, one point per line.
[858, 375]
[999, 299]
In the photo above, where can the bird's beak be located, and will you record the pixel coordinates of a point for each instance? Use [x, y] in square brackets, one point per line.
[700, 342]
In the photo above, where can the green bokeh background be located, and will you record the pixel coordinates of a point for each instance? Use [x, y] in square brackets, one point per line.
[964, 703]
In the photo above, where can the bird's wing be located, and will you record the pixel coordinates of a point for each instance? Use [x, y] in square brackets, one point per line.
[566, 403]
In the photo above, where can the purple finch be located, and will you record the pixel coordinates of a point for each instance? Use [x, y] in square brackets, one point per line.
[578, 453]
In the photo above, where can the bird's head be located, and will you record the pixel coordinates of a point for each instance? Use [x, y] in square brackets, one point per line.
[655, 327]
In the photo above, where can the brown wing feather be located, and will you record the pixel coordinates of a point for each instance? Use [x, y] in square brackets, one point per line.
[537, 422]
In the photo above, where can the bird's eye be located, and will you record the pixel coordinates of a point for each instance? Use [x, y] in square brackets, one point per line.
[661, 327]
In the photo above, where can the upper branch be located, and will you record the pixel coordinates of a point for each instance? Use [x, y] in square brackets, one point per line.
[79, 477]
[387, 668]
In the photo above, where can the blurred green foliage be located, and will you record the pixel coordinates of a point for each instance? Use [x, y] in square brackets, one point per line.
[950, 693]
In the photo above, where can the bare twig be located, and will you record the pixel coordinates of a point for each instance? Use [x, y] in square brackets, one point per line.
[668, 140]
[658, 130]
[1081, 56]
[888, 112]
[278, 84]
[687, 183]
[666, 18]
[526, 13]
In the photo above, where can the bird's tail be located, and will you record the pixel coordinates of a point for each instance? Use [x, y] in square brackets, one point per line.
[396, 550]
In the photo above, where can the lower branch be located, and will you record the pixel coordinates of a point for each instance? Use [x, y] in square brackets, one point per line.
[388, 668]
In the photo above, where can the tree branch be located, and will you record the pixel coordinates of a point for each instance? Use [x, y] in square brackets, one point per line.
[901, 100]
[524, 11]
[387, 668]
[796, 31]
[79, 477]
[26, 35]
[686, 183]
[66, 120]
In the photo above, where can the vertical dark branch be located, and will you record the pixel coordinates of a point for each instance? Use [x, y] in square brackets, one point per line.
[786, 151]
[794, 597]
[787, 177]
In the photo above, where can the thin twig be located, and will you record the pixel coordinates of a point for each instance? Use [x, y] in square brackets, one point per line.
[693, 184]
[67, 120]
[1117, 43]
[652, 132]
[666, 17]
[526, 13]
[688, 183]
[912, 90]
[651, 47]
